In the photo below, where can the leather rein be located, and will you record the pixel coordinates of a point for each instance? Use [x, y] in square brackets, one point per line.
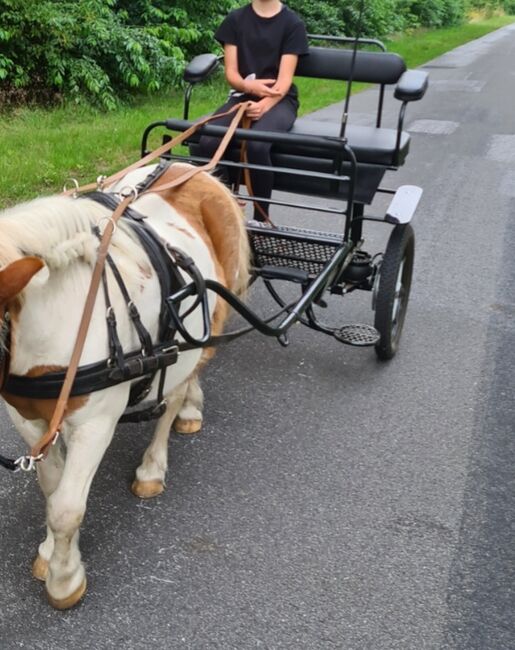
[160, 359]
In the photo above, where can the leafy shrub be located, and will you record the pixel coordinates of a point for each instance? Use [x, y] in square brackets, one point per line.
[320, 17]
[101, 51]
[81, 50]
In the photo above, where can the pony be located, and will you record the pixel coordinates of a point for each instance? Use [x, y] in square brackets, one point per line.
[47, 251]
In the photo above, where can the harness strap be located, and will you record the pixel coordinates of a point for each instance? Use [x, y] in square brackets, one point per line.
[142, 332]
[95, 376]
[41, 447]
[141, 388]
[9, 464]
[115, 347]
[246, 122]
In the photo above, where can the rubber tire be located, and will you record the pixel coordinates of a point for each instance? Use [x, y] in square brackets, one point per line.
[400, 247]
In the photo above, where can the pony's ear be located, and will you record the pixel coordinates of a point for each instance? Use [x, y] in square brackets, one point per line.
[15, 277]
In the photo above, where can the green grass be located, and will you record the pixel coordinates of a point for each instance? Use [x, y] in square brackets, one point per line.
[42, 148]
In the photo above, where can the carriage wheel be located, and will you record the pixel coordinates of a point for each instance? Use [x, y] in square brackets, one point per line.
[394, 284]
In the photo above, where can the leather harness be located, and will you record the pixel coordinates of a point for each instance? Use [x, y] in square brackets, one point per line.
[120, 367]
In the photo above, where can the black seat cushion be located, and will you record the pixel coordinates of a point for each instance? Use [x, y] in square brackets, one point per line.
[369, 144]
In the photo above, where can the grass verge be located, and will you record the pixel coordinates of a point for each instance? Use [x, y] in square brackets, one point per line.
[42, 148]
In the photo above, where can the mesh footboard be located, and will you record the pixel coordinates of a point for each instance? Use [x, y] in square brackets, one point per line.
[297, 248]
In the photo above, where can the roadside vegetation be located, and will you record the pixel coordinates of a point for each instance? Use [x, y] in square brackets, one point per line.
[42, 146]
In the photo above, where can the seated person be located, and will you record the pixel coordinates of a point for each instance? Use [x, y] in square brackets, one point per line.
[262, 42]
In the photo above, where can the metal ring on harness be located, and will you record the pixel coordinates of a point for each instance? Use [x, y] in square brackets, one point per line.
[27, 463]
[127, 190]
[76, 185]
[110, 218]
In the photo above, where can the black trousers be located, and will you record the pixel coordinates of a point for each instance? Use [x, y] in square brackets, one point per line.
[279, 118]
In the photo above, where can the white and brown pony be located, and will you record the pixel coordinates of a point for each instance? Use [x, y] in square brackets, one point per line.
[47, 250]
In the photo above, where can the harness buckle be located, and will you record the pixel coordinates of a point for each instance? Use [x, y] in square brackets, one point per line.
[101, 182]
[28, 463]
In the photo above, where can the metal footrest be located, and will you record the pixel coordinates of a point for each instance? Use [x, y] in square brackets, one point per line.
[359, 335]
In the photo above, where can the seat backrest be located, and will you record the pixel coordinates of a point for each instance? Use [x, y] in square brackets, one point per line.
[332, 63]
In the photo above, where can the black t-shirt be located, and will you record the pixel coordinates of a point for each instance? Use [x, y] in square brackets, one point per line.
[261, 42]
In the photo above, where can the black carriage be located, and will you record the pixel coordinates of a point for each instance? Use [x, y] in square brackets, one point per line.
[336, 161]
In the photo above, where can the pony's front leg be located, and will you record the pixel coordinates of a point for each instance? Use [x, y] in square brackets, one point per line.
[189, 418]
[150, 475]
[49, 474]
[86, 445]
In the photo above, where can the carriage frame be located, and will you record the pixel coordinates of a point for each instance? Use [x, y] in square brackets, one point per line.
[329, 164]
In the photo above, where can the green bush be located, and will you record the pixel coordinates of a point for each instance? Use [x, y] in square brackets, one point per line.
[81, 50]
[509, 7]
[101, 51]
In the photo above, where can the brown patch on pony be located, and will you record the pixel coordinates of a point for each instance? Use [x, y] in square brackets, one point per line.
[13, 279]
[16, 275]
[42, 409]
[32, 408]
[211, 210]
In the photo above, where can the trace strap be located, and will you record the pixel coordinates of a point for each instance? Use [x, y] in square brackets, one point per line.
[246, 123]
[40, 449]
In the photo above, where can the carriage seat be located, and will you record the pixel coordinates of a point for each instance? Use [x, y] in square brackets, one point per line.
[376, 148]
[369, 144]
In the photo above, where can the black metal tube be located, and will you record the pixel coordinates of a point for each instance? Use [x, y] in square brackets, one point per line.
[187, 98]
[349, 212]
[276, 137]
[146, 133]
[352, 68]
[380, 106]
[335, 265]
[269, 168]
[348, 39]
[400, 124]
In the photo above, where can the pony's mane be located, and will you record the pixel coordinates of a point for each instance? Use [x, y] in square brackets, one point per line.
[58, 229]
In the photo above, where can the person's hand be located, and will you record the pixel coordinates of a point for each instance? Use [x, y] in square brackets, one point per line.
[260, 87]
[256, 110]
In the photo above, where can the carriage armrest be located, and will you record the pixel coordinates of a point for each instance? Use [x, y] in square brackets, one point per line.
[199, 68]
[411, 86]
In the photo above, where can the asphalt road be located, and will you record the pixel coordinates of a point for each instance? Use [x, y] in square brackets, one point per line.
[331, 501]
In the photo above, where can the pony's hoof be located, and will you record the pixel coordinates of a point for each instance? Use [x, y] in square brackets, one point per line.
[73, 599]
[147, 489]
[40, 568]
[187, 427]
